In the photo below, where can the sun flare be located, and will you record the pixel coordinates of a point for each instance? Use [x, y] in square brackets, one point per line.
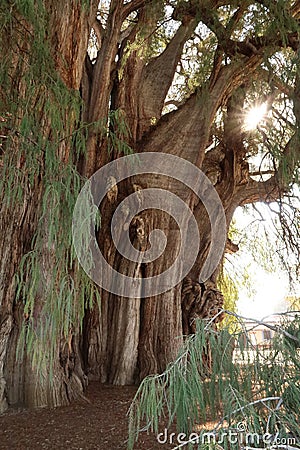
[254, 116]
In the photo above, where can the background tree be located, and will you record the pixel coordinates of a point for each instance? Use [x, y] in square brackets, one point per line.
[83, 83]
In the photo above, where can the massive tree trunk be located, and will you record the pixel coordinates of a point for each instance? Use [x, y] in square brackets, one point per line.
[32, 150]
[65, 116]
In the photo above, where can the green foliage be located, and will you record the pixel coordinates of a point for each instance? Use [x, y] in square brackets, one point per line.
[271, 237]
[293, 302]
[228, 285]
[293, 329]
[118, 133]
[236, 383]
[235, 274]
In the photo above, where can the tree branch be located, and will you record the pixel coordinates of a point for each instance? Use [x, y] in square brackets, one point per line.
[186, 131]
[291, 156]
[234, 20]
[295, 10]
[275, 81]
[99, 30]
[273, 188]
[261, 172]
[176, 103]
[158, 75]
[133, 6]
[257, 191]
[231, 47]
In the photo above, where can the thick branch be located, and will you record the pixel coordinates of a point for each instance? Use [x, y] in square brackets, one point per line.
[295, 10]
[158, 75]
[102, 71]
[99, 30]
[273, 188]
[261, 172]
[132, 6]
[257, 191]
[291, 156]
[233, 22]
[275, 81]
[99, 97]
[185, 132]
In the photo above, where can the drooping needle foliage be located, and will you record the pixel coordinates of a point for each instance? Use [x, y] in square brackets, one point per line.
[227, 380]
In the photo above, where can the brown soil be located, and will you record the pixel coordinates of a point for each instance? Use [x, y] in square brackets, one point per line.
[100, 424]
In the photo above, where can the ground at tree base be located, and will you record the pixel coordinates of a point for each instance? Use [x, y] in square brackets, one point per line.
[100, 424]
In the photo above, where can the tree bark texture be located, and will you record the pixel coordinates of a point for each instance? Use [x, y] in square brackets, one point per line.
[21, 383]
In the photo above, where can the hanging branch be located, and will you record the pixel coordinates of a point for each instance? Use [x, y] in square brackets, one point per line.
[225, 376]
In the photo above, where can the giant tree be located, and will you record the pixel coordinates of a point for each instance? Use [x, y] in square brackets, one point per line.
[84, 83]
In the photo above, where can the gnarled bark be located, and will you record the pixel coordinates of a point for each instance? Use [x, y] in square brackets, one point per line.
[21, 382]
